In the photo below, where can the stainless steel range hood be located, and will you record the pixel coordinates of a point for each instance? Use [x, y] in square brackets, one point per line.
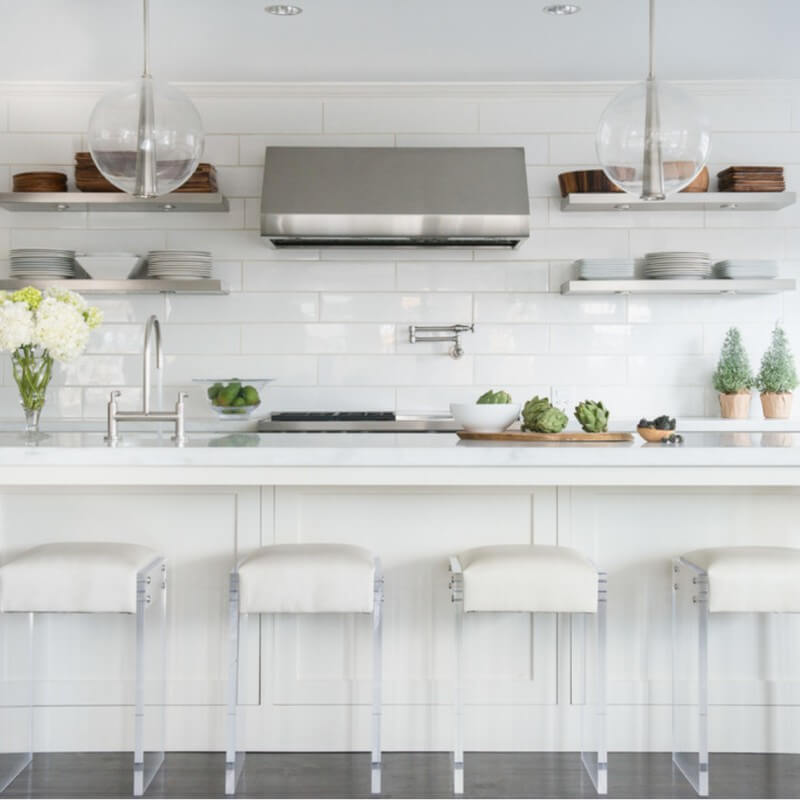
[384, 196]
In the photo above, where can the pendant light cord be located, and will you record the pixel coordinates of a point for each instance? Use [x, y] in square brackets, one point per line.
[652, 66]
[146, 32]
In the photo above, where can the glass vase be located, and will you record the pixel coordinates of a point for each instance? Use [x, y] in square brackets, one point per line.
[33, 368]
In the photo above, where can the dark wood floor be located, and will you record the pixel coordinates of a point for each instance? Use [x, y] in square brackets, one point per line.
[412, 775]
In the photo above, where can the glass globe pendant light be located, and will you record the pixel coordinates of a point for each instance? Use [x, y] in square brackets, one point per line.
[146, 136]
[652, 139]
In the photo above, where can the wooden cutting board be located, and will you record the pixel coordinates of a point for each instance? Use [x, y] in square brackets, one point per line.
[521, 437]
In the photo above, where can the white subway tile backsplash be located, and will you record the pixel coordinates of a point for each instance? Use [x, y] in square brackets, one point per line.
[318, 276]
[262, 115]
[648, 340]
[727, 243]
[473, 276]
[252, 147]
[291, 370]
[251, 307]
[331, 325]
[757, 148]
[547, 369]
[37, 148]
[543, 114]
[551, 244]
[728, 309]
[200, 339]
[221, 150]
[440, 309]
[116, 339]
[746, 111]
[548, 308]
[394, 370]
[670, 370]
[400, 115]
[318, 338]
[57, 113]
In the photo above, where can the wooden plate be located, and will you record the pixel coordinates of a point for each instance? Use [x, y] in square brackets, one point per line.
[529, 436]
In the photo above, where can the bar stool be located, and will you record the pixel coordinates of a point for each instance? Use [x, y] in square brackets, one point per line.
[717, 580]
[304, 579]
[84, 578]
[533, 579]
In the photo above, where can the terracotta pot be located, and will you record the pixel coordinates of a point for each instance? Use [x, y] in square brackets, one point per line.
[777, 406]
[735, 406]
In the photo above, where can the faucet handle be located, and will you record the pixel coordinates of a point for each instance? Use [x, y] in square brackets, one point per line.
[112, 398]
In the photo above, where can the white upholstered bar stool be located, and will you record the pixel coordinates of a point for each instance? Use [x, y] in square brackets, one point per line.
[303, 579]
[711, 581]
[84, 578]
[534, 579]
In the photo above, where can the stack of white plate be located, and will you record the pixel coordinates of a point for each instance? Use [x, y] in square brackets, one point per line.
[739, 268]
[179, 264]
[604, 269]
[677, 264]
[42, 264]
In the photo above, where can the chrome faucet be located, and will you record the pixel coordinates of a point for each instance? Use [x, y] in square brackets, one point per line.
[146, 415]
[152, 326]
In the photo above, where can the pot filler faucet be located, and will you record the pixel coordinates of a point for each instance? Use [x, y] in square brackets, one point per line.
[442, 333]
[152, 332]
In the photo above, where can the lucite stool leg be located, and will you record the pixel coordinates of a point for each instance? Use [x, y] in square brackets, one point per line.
[151, 621]
[690, 674]
[16, 737]
[594, 722]
[234, 757]
[457, 598]
[377, 680]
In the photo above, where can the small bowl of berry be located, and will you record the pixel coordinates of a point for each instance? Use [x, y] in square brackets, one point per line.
[658, 430]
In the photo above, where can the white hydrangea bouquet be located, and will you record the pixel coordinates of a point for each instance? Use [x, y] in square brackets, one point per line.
[37, 328]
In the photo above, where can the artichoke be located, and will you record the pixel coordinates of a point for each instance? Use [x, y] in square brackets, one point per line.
[552, 420]
[494, 398]
[531, 411]
[592, 416]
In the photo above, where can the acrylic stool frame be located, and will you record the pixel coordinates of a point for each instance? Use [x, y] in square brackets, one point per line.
[234, 757]
[592, 715]
[146, 763]
[690, 607]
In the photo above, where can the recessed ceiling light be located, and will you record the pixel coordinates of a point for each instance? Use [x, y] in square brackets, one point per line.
[284, 10]
[562, 9]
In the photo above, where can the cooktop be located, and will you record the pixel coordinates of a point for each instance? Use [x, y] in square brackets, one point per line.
[355, 422]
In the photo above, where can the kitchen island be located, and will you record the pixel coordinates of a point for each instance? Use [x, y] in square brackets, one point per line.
[414, 499]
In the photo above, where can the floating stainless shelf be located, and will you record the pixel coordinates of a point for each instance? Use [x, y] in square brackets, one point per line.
[111, 201]
[686, 201]
[711, 286]
[122, 286]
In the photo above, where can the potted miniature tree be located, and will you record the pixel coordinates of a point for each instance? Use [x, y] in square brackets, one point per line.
[733, 378]
[777, 377]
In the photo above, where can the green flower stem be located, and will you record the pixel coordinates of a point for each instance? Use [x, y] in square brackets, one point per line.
[33, 368]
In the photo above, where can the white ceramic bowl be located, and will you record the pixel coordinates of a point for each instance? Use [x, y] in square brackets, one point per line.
[485, 417]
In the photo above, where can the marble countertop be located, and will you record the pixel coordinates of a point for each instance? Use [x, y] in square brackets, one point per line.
[244, 449]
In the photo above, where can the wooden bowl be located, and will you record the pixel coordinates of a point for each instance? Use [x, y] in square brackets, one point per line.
[653, 434]
[585, 181]
[700, 183]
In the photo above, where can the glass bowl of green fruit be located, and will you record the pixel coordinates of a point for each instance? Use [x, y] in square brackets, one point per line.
[234, 398]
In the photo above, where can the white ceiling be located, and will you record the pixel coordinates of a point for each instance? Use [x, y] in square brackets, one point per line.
[398, 40]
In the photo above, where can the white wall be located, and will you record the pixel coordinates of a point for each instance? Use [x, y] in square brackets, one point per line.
[331, 325]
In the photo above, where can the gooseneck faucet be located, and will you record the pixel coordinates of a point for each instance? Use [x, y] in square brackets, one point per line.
[153, 326]
[146, 415]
